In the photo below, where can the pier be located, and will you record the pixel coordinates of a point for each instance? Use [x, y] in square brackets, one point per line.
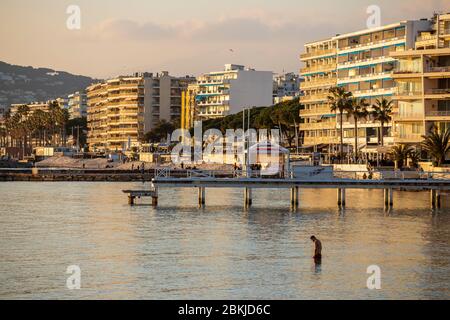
[294, 185]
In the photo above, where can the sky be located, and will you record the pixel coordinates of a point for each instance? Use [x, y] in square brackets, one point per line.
[183, 37]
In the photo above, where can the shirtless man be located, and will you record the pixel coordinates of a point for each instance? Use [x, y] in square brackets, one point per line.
[317, 249]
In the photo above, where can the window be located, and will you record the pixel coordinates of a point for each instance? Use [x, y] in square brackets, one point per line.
[389, 34]
[377, 53]
[400, 32]
[367, 38]
[343, 58]
[378, 36]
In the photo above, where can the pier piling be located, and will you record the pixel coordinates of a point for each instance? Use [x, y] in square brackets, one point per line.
[294, 197]
[201, 196]
[248, 197]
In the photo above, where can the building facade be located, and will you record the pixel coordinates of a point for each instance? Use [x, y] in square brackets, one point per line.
[423, 84]
[361, 63]
[77, 105]
[121, 110]
[286, 87]
[188, 106]
[230, 91]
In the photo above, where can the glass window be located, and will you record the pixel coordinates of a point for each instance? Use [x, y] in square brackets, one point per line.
[400, 32]
[377, 36]
[389, 34]
[343, 58]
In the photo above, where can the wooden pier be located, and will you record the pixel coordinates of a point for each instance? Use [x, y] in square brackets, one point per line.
[434, 186]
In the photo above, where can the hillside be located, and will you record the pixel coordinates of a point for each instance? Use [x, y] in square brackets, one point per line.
[20, 84]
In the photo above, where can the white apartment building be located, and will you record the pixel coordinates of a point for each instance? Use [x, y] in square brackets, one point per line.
[361, 63]
[77, 104]
[286, 87]
[230, 91]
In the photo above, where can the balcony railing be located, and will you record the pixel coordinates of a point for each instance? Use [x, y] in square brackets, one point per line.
[318, 125]
[317, 53]
[439, 69]
[426, 38]
[438, 91]
[408, 93]
[408, 137]
[407, 115]
[360, 45]
[318, 82]
[438, 114]
[319, 68]
[321, 110]
[315, 97]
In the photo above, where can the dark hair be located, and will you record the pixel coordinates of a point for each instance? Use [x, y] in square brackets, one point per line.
[313, 237]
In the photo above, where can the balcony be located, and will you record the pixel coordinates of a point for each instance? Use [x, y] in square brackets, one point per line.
[318, 53]
[319, 68]
[440, 92]
[315, 111]
[407, 94]
[443, 69]
[372, 43]
[318, 125]
[405, 116]
[319, 82]
[315, 97]
[433, 114]
[320, 140]
[408, 138]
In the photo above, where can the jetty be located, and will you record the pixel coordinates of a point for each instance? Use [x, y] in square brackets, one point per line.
[436, 184]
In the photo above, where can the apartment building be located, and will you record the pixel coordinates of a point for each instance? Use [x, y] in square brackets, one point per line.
[286, 87]
[361, 63]
[423, 84]
[34, 106]
[188, 106]
[77, 105]
[231, 90]
[121, 110]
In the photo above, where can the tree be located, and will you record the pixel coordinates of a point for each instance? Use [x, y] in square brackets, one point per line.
[340, 101]
[400, 154]
[437, 145]
[160, 131]
[358, 110]
[382, 112]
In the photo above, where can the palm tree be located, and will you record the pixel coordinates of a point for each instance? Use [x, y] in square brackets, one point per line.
[400, 154]
[382, 112]
[437, 145]
[339, 102]
[358, 110]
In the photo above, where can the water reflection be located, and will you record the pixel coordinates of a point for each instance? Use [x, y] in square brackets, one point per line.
[222, 250]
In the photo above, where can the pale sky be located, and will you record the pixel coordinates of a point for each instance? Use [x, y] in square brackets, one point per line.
[183, 36]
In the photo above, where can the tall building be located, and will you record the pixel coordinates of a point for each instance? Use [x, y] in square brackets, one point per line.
[77, 104]
[231, 90]
[188, 106]
[361, 63]
[423, 84]
[121, 110]
[286, 87]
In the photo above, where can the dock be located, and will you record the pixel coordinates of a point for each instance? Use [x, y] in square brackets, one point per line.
[435, 186]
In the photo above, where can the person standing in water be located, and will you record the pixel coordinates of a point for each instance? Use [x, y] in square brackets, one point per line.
[317, 249]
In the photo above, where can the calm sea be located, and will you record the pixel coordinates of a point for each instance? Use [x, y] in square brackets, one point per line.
[178, 251]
